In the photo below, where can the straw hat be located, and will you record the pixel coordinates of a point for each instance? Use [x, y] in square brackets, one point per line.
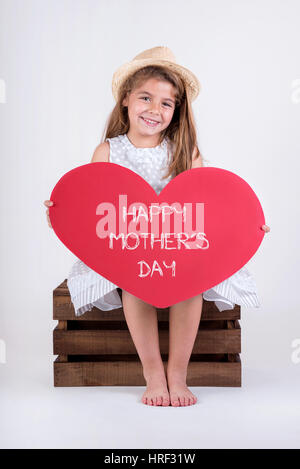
[156, 56]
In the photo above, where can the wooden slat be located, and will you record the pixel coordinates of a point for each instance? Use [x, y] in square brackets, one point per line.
[233, 324]
[129, 373]
[63, 309]
[62, 289]
[72, 342]
[63, 325]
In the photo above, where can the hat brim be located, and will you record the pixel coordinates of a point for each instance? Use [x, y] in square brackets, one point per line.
[123, 72]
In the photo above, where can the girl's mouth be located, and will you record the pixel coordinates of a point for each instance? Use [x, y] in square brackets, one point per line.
[150, 123]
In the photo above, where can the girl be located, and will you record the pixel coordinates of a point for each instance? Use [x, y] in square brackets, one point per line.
[151, 131]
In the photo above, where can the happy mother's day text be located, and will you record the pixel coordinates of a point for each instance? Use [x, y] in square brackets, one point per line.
[174, 226]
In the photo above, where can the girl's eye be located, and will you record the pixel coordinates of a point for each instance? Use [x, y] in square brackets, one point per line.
[147, 97]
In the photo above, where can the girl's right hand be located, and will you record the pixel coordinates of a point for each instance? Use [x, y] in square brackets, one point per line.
[48, 203]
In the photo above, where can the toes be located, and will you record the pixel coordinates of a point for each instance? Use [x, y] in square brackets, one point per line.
[181, 400]
[175, 401]
[156, 400]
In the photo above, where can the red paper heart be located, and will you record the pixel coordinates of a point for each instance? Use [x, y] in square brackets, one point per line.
[233, 218]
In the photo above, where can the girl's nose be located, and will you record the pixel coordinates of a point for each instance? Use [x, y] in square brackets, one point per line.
[154, 113]
[154, 108]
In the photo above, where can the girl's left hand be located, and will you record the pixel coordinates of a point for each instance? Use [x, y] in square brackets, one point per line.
[266, 228]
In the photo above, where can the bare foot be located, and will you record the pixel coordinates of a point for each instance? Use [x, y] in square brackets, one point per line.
[157, 391]
[180, 395]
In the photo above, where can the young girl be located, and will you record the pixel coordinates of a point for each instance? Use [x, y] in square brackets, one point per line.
[151, 131]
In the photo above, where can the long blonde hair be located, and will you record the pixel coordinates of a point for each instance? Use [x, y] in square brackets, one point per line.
[180, 133]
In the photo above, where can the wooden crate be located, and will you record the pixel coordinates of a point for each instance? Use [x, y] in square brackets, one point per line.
[96, 349]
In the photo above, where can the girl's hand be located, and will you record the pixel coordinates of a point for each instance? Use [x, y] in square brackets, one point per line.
[48, 203]
[266, 228]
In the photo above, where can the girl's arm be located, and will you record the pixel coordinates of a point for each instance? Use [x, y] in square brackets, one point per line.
[101, 154]
[196, 162]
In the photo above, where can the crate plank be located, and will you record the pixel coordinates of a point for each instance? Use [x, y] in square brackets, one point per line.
[63, 309]
[129, 373]
[63, 325]
[119, 341]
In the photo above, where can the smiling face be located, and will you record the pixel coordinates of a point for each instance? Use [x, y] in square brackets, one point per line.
[150, 108]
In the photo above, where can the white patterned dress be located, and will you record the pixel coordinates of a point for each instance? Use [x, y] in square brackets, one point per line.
[88, 288]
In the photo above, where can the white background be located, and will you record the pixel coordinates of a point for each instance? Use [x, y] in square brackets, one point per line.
[56, 65]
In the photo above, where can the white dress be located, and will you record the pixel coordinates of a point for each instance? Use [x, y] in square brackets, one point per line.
[88, 288]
